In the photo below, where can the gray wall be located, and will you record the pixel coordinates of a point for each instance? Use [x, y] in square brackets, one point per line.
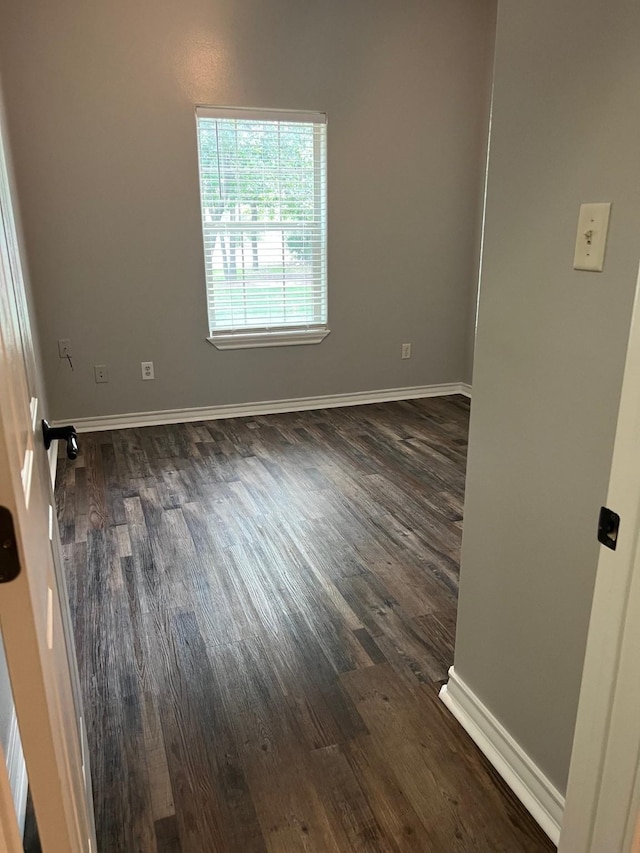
[100, 99]
[549, 359]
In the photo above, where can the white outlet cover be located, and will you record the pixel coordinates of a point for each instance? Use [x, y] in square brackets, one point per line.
[64, 347]
[147, 370]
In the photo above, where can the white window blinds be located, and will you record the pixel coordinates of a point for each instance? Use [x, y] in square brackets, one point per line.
[263, 197]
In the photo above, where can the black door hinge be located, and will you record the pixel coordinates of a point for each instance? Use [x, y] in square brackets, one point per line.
[608, 527]
[9, 560]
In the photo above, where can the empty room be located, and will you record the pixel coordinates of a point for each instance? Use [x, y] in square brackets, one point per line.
[291, 295]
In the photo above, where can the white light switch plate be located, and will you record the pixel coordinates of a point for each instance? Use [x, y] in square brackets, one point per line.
[591, 240]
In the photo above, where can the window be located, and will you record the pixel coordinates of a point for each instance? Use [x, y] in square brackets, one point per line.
[263, 198]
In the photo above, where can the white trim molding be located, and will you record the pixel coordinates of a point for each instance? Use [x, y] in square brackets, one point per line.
[17, 771]
[267, 407]
[517, 768]
[281, 338]
[52, 457]
[465, 389]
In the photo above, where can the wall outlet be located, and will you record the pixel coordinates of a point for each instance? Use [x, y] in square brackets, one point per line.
[100, 373]
[64, 348]
[406, 350]
[147, 370]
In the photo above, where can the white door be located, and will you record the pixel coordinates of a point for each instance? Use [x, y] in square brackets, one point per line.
[602, 813]
[34, 614]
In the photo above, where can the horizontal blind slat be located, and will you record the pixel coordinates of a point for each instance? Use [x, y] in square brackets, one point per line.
[243, 114]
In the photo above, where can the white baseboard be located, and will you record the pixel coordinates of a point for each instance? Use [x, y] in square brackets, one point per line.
[268, 407]
[52, 453]
[465, 389]
[17, 771]
[519, 771]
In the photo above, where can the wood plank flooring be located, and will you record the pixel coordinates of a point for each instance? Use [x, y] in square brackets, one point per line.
[264, 611]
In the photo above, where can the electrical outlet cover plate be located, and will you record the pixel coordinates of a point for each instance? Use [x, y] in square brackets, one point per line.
[64, 348]
[147, 370]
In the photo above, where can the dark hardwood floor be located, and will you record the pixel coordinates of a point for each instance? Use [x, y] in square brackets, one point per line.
[264, 611]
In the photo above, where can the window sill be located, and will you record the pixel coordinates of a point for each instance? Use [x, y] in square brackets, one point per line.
[251, 340]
